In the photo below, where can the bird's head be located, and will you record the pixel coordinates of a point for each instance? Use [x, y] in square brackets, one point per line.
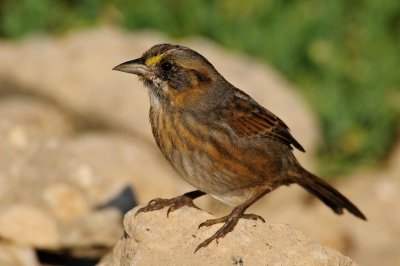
[176, 76]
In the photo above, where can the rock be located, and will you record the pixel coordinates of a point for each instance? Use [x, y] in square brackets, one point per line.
[13, 255]
[92, 235]
[65, 202]
[105, 163]
[23, 119]
[153, 239]
[295, 206]
[28, 225]
[377, 191]
[54, 178]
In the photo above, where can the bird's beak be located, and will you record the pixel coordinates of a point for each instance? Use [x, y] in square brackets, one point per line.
[136, 67]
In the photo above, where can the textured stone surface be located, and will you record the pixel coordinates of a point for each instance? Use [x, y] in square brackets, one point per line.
[153, 239]
[28, 225]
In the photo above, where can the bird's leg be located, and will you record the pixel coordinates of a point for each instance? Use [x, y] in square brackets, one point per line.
[232, 219]
[174, 203]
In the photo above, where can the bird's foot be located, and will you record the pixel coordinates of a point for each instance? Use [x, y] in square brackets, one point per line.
[174, 204]
[229, 221]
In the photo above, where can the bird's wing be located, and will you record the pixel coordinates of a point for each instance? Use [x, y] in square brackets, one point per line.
[250, 120]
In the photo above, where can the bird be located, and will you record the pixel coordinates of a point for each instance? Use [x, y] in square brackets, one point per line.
[219, 139]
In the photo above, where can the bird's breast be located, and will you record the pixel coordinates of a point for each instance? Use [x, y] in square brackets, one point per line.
[204, 154]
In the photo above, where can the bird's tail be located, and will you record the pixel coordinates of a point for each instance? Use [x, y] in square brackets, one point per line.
[326, 193]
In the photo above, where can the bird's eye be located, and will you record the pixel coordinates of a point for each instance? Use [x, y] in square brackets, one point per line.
[166, 66]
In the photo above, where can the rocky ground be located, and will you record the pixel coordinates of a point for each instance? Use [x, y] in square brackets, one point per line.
[156, 242]
[75, 142]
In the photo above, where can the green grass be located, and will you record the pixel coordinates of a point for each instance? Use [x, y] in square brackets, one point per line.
[343, 55]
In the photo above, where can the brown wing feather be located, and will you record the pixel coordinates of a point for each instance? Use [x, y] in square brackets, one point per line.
[250, 120]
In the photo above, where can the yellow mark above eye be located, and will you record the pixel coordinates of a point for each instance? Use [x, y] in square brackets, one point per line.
[153, 60]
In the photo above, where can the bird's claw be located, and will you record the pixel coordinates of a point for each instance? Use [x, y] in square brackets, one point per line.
[174, 204]
[229, 221]
[154, 204]
[254, 217]
[184, 201]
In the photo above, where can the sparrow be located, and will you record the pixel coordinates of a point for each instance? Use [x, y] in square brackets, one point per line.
[219, 139]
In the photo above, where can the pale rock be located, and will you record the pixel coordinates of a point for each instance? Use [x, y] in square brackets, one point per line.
[18, 137]
[28, 225]
[93, 234]
[153, 239]
[65, 202]
[376, 241]
[24, 120]
[67, 177]
[14, 255]
[104, 163]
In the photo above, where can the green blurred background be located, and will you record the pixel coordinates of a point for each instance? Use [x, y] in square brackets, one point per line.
[343, 55]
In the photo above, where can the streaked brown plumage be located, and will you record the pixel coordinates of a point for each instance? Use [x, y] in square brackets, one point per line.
[218, 138]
